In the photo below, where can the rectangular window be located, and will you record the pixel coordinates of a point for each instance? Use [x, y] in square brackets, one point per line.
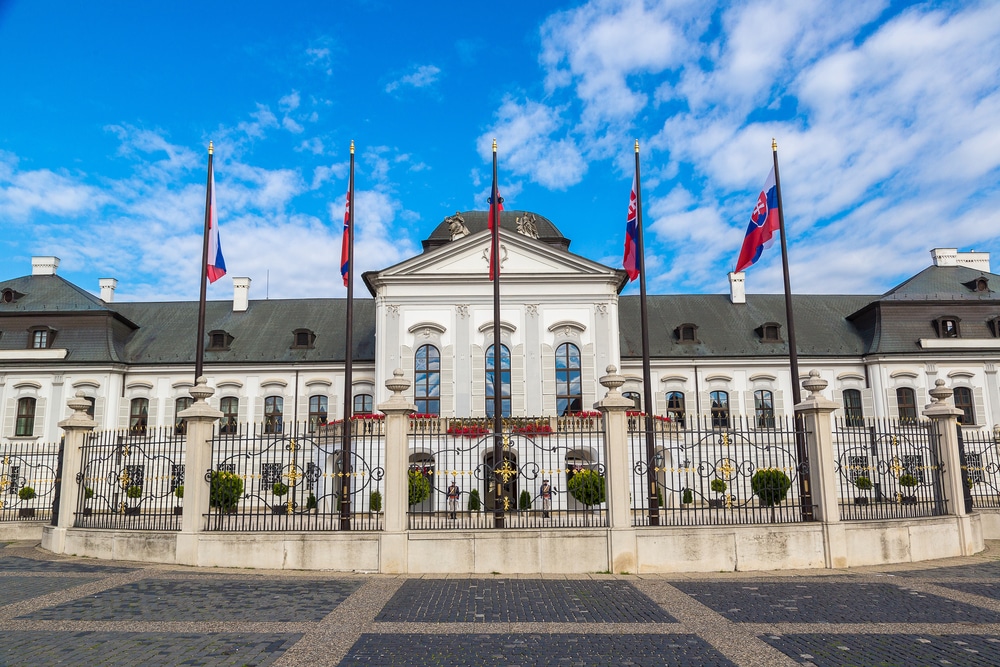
[720, 409]
[853, 414]
[25, 417]
[273, 411]
[317, 412]
[230, 407]
[764, 408]
[40, 339]
[963, 401]
[906, 400]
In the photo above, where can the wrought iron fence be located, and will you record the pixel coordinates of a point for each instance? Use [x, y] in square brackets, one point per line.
[981, 467]
[538, 473]
[710, 473]
[294, 476]
[131, 480]
[888, 469]
[27, 480]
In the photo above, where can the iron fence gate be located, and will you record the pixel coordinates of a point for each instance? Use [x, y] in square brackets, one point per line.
[980, 467]
[707, 472]
[888, 469]
[27, 480]
[538, 473]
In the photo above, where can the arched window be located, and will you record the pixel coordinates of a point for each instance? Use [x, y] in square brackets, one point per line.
[569, 384]
[182, 403]
[427, 380]
[230, 407]
[763, 403]
[363, 404]
[963, 401]
[274, 407]
[854, 415]
[906, 401]
[138, 418]
[720, 409]
[636, 399]
[317, 411]
[675, 407]
[25, 417]
[504, 382]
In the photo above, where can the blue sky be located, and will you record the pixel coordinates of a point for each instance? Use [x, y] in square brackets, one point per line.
[885, 115]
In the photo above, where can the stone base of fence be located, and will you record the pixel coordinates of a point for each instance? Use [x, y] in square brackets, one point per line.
[540, 551]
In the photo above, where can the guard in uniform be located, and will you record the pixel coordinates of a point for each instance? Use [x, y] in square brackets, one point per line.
[546, 493]
[453, 493]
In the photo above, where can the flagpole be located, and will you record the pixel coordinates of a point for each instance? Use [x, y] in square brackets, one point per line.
[346, 458]
[805, 495]
[199, 360]
[498, 509]
[647, 383]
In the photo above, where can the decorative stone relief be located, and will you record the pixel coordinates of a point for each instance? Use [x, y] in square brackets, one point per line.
[503, 255]
[462, 310]
[602, 308]
[531, 309]
[526, 225]
[392, 309]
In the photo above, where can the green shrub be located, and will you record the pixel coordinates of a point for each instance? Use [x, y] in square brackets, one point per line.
[687, 496]
[524, 501]
[226, 490]
[863, 483]
[908, 480]
[311, 503]
[587, 486]
[88, 493]
[279, 489]
[179, 491]
[419, 487]
[134, 491]
[770, 485]
[718, 485]
[26, 493]
[375, 501]
[475, 503]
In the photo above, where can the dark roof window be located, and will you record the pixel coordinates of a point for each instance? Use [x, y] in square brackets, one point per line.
[769, 332]
[9, 296]
[947, 327]
[303, 339]
[41, 338]
[219, 341]
[980, 284]
[686, 333]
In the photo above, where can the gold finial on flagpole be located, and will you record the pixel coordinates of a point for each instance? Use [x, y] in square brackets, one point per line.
[494, 145]
[774, 144]
[352, 146]
[210, 148]
[636, 145]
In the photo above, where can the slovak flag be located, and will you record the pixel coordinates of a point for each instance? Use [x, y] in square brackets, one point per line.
[494, 211]
[216, 264]
[345, 249]
[763, 225]
[631, 261]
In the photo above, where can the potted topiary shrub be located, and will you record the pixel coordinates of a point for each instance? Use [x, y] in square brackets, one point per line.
[908, 481]
[279, 489]
[26, 493]
[419, 487]
[311, 502]
[375, 502]
[718, 486]
[587, 486]
[88, 493]
[133, 492]
[770, 485]
[863, 484]
[475, 502]
[179, 494]
[687, 496]
[225, 491]
[524, 501]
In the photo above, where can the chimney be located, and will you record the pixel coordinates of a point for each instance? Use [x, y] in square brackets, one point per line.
[44, 266]
[945, 256]
[241, 294]
[737, 287]
[108, 286]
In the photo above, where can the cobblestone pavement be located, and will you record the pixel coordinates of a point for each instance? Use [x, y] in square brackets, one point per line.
[71, 611]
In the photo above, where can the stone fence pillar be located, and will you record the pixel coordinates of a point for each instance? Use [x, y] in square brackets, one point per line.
[944, 417]
[618, 477]
[77, 427]
[393, 557]
[200, 419]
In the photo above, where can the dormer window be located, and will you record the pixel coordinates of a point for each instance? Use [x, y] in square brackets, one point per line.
[303, 339]
[219, 341]
[9, 296]
[980, 284]
[686, 333]
[947, 327]
[41, 338]
[769, 332]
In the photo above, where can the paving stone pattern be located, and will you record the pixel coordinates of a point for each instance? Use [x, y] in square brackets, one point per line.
[521, 601]
[824, 650]
[207, 600]
[821, 602]
[476, 650]
[150, 649]
[15, 589]
[18, 564]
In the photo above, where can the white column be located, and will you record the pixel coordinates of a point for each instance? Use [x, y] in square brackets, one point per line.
[201, 418]
[618, 477]
[393, 552]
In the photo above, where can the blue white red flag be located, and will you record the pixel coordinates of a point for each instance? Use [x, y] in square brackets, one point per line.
[345, 248]
[494, 213]
[631, 260]
[216, 264]
[764, 224]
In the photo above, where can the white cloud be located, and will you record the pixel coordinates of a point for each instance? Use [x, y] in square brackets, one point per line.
[422, 76]
[27, 193]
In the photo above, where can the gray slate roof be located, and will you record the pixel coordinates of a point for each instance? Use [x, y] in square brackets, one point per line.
[477, 221]
[944, 283]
